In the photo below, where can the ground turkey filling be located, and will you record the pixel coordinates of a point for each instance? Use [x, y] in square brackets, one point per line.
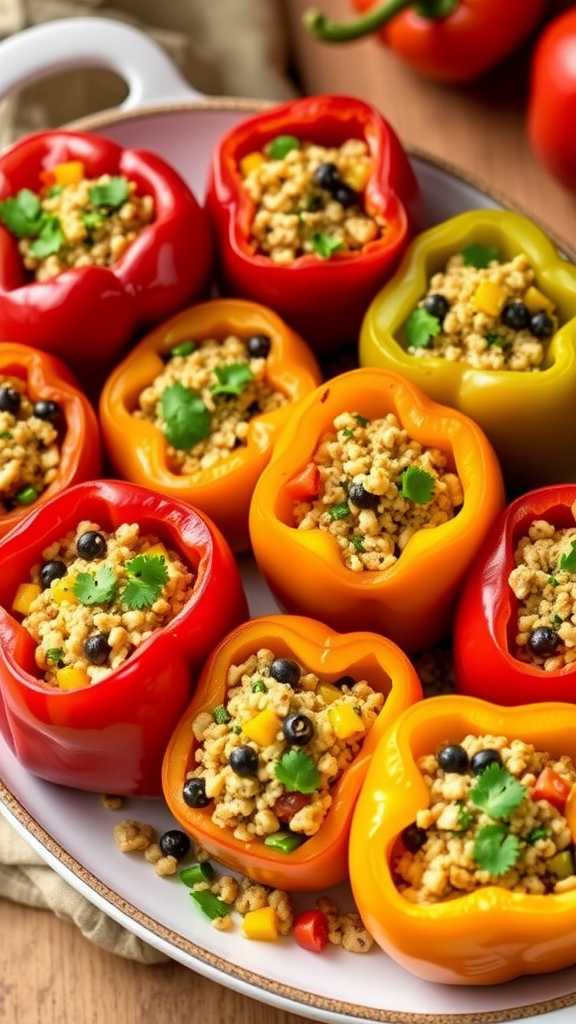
[544, 583]
[205, 397]
[267, 759]
[309, 199]
[490, 316]
[97, 596]
[377, 488]
[468, 838]
[86, 222]
[29, 445]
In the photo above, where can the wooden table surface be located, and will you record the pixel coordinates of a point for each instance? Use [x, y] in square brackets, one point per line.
[479, 129]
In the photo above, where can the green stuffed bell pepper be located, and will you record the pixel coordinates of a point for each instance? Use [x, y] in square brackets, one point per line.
[481, 315]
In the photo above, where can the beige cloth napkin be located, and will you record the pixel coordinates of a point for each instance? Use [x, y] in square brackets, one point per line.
[223, 47]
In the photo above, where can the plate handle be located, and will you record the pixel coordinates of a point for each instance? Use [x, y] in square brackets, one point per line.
[64, 43]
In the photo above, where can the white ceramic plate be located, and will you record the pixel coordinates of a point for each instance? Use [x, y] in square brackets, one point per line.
[70, 829]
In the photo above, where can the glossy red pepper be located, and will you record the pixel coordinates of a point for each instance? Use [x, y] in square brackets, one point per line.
[552, 98]
[46, 378]
[311, 930]
[454, 42]
[87, 315]
[110, 737]
[486, 618]
[323, 299]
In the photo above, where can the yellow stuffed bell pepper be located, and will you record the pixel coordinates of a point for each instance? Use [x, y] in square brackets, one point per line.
[494, 337]
[373, 507]
[462, 841]
[193, 410]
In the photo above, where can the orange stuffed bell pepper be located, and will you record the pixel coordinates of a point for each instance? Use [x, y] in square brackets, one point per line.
[49, 435]
[457, 778]
[194, 409]
[288, 697]
[373, 507]
[482, 316]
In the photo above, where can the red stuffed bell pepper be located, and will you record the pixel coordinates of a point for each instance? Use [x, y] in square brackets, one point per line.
[514, 637]
[90, 698]
[552, 98]
[82, 312]
[451, 41]
[49, 436]
[317, 274]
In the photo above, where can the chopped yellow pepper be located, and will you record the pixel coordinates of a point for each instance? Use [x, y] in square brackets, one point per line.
[61, 590]
[71, 678]
[250, 162]
[490, 297]
[261, 924]
[328, 692]
[263, 728]
[535, 300]
[25, 595]
[157, 549]
[68, 173]
[345, 721]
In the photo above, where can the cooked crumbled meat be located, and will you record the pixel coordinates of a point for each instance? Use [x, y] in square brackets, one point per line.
[29, 447]
[443, 862]
[361, 501]
[492, 317]
[300, 211]
[544, 587]
[227, 414]
[241, 746]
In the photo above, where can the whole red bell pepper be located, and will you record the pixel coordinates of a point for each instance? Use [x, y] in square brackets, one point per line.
[485, 625]
[110, 737]
[552, 98]
[48, 379]
[447, 40]
[87, 315]
[323, 299]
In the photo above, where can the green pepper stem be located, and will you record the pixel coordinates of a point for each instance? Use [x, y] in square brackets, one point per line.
[327, 31]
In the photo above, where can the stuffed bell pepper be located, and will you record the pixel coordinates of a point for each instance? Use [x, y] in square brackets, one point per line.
[265, 766]
[111, 598]
[482, 316]
[195, 407]
[49, 436]
[96, 242]
[517, 609]
[373, 507]
[313, 202]
[462, 859]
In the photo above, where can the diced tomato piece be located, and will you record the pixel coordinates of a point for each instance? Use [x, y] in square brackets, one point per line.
[311, 930]
[305, 485]
[552, 787]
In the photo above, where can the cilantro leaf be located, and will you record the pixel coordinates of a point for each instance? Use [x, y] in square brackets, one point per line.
[22, 214]
[97, 589]
[340, 511]
[92, 219]
[113, 194]
[464, 816]
[50, 239]
[232, 379]
[147, 575]
[421, 327]
[417, 485]
[497, 792]
[297, 771]
[280, 146]
[210, 905]
[187, 418]
[567, 561]
[479, 256]
[495, 848]
[496, 341]
[326, 245]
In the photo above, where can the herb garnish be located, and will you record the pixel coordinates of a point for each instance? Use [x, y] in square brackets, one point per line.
[210, 904]
[417, 485]
[113, 194]
[99, 588]
[147, 574]
[498, 793]
[186, 417]
[495, 848]
[297, 771]
[22, 213]
[279, 147]
[232, 378]
[421, 327]
[339, 511]
[567, 561]
[479, 256]
[325, 245]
